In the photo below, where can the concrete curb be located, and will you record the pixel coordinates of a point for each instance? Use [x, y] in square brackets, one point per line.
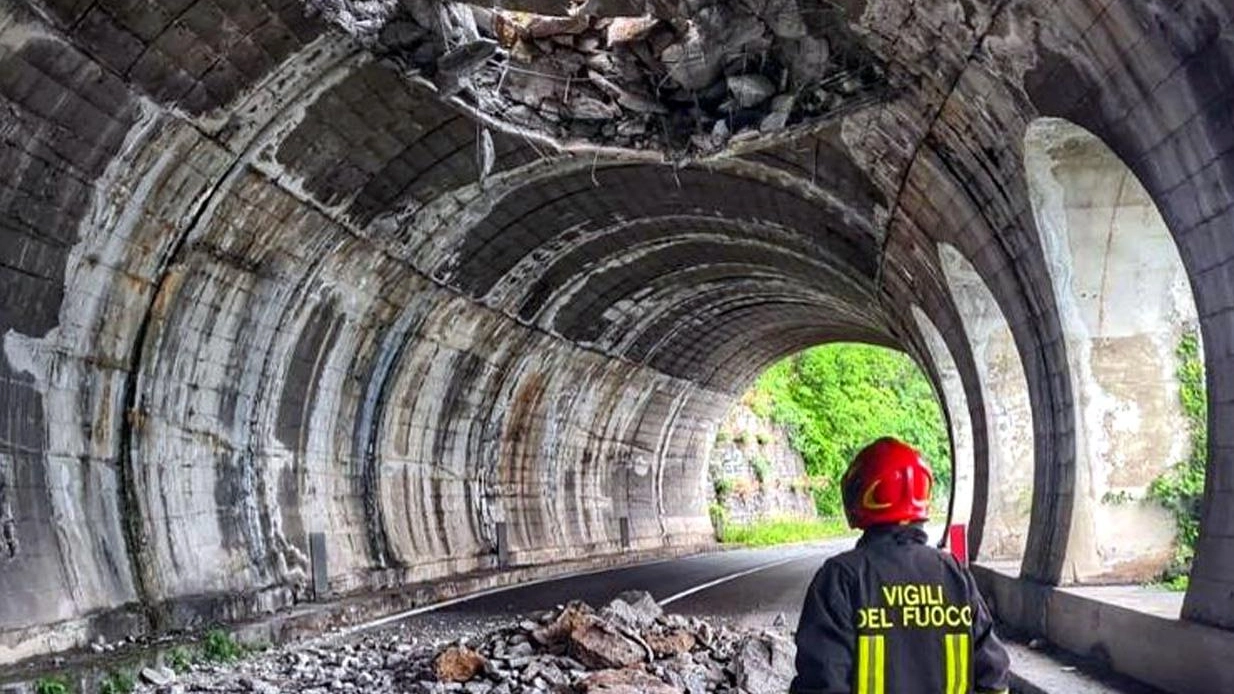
[312, 620]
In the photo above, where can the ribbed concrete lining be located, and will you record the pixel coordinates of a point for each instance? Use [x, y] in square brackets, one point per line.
[254, 288]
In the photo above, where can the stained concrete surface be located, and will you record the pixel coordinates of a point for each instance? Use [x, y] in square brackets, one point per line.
[259, 282]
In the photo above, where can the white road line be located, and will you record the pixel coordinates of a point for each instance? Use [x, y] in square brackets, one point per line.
[495, 591]
[731, 577]
[502, 589]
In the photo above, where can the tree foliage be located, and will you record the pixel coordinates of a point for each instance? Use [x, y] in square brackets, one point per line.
[837, 398]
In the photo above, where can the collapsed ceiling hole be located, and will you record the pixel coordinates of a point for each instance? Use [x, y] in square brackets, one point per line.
[685, 80]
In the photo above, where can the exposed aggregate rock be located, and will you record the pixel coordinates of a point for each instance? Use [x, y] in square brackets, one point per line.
[683, 78]
[628, 647]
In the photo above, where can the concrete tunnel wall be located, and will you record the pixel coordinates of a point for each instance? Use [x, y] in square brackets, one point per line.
[255, 287]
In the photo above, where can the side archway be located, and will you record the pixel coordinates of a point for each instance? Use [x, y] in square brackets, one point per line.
[1126, 306]
[955, 405]
[1004, 388]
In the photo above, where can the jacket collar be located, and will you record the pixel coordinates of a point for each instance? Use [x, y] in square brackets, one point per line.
[898, 534]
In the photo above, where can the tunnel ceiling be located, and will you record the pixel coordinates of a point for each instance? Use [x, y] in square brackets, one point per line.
[700, 187]
[683, 80]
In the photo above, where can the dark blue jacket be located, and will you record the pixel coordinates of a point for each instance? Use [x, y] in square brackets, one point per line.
[896, 616]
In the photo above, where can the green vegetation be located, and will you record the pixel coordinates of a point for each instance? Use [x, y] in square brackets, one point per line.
[118, 682]
[837, 398]
[51, 685]
[1178, 583]
[779, 531]
[763, 439]
[180, 659]
[221, 647]
[1181, 488]
[719, 519]
[762, 469]
[724, 487]
[740, 438]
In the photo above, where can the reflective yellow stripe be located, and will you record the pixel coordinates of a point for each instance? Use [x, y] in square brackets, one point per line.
[949, 647]
[863, 665]
[957, 663]
[871, 661]
[962, 647]
[880, 663]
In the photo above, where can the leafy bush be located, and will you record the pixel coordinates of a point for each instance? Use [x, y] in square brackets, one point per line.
[722, 437]
[118, 682]
[724, 487]
[781, 531]
[51, 685]
[762, 469]
[719, 519]
[762, 439]
[1181, 488]
[837, 398]
[220, 647]
[180, 659]
[740, 438]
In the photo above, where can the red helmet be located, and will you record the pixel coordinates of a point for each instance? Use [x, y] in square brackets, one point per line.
[888, 482]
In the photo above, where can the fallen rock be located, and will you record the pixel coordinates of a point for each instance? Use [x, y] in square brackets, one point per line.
[626, 682]
[694, 63]
[568, 649]
[750, 90]
[635, 609]
[585, 107]
[572, 617]
[542, 27]
[630, 29]
[598, 645]
[671, 643]
[458, 664]
[765, 663]
[159, 676]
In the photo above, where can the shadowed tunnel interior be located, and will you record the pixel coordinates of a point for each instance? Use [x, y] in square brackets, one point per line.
[262, 280]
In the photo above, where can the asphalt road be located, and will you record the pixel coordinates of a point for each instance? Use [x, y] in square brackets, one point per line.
[749, 587]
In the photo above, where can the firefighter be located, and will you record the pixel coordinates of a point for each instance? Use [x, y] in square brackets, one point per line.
[894, 615]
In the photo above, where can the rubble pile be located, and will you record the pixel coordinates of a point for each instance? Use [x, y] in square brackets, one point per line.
[683, 77]
[628, 647]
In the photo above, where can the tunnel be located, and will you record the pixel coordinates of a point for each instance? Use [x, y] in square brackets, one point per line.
[431, 290]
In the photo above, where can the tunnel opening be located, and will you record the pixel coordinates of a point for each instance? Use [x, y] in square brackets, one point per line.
[1131, 329]
[784, 445]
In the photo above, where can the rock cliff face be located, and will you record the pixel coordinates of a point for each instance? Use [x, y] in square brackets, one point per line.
[755, 472]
